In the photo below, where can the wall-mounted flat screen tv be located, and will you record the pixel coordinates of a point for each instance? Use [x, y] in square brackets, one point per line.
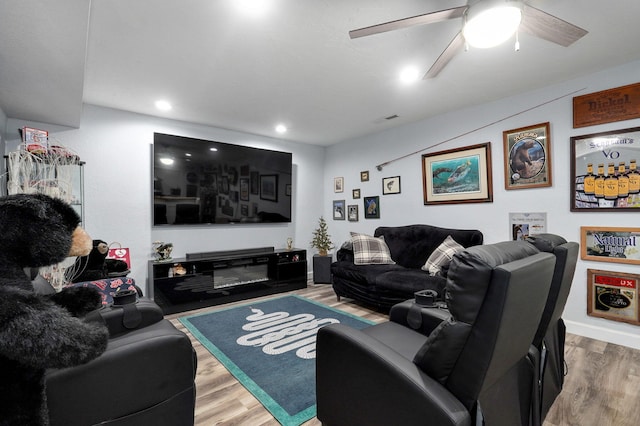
[198, 181]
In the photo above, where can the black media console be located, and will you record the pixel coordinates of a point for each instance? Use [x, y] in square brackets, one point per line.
[214, 278]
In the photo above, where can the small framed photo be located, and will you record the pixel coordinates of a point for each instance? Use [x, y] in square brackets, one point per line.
[372, 207]
[613, 295]
[352, 212]
[287, 189]
[364, 176]
[527, 157]
[339, 212]
[338, 184]
[355, 194]
[459, 175]
[391, 185]
[609, 244]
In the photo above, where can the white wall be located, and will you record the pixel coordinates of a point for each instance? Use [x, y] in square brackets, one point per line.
[3, 127]
[349, 158]
[116, 147]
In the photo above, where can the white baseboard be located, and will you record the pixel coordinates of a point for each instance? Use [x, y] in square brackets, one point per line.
[605, 334]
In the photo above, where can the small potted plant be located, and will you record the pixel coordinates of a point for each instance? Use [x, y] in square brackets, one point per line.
[321, 238]
[321, 262]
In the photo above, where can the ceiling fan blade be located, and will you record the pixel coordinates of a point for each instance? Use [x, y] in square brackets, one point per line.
[427, 18]
[548, 27]
[452, 50]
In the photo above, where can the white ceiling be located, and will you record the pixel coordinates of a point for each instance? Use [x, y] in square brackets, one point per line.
[295, 64]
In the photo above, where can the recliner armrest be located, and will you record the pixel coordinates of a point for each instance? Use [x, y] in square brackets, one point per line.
[397, 391]
[121, 319]
[422, 319]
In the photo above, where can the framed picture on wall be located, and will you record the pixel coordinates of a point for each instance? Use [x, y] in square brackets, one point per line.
[613, 295]
[460, 175]
[604, 175]
[364, 176]
[339, 210]
[352, 212]
[391, 185]
[610, 244]
[338, 184]
[372, 207]
[355, 194]
[527, 157]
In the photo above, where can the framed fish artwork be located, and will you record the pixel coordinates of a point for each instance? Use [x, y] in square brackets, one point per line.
[460, 175]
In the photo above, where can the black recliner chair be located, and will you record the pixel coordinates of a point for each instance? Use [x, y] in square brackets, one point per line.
[145, 376]
[392, 374]
[549, 339]
[537, 380]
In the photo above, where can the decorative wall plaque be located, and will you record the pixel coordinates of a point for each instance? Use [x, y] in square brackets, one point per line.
[621, 103]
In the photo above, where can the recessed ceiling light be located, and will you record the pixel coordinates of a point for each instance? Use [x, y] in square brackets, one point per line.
[166, 161]
[409, 75]
[281, 128]
[163, 105]
[213, 149]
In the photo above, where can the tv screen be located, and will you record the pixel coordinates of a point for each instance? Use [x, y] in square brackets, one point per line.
[197, 181]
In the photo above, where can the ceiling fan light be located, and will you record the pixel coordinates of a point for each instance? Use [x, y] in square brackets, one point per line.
[491, 27]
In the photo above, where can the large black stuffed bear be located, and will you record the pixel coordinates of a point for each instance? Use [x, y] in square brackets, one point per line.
[39, 332]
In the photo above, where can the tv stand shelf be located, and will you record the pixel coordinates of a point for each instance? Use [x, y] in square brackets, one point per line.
[197, 281]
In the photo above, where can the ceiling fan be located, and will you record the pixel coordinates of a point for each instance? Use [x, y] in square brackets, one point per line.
[512, 15]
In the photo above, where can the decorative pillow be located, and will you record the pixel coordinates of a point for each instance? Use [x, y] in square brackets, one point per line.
[369, 250]
[441, 256]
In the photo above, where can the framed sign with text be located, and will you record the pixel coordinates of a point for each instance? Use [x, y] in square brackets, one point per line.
[604, 171]
[617, 104]
[613, 295]
[608, 244]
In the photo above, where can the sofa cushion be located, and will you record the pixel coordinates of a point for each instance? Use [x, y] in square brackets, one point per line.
[409, 281]
[364, 275]
[441, 256]
[369, 250]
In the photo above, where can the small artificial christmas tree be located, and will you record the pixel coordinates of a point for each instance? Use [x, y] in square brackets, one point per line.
[321, 238]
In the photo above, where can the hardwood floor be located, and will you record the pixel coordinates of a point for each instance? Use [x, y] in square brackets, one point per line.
[602, 387]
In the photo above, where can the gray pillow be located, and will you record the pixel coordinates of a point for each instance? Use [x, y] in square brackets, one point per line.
[441, 256]
[368, 250]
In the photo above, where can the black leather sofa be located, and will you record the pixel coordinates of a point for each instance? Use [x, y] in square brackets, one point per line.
[384, 285]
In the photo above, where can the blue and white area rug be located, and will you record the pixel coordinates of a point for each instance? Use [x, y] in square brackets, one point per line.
[269, 347]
